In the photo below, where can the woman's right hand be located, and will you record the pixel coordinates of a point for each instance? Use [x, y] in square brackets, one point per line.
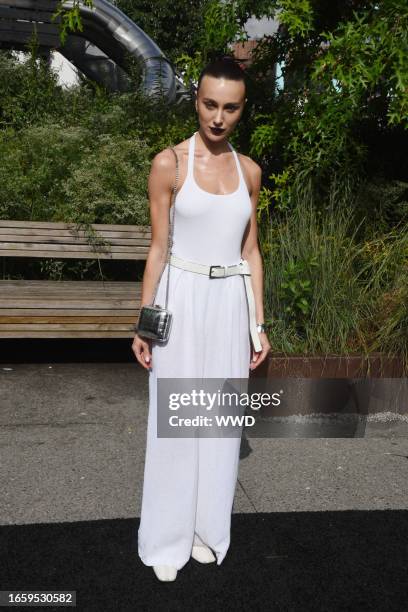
[142, 350]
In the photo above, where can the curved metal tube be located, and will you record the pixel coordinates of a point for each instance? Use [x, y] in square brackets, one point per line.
[158, 74]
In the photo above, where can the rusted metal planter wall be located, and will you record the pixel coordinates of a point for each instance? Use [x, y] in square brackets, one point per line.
[344, 392]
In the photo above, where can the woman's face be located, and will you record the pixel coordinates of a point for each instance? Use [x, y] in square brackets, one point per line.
[219, 104]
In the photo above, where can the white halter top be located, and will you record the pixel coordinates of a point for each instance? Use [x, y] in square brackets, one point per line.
[208, 227]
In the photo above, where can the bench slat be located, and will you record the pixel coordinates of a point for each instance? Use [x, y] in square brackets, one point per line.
[64, 225]
[86, 303]
[7, 235]
[70, 326]
[137, 255]
[57, 247]
[71, 322]
[13, 294]
[9, 315]
[135, 231]
[21, 284]
[42, 239]
[66, 293]
[66, 333]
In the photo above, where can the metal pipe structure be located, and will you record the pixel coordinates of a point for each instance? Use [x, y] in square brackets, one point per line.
[108, 29]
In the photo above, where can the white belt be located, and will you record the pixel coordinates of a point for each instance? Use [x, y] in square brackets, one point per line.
[216, 271]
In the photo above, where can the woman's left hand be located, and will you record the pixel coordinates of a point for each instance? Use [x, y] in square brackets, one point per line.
[259, 357]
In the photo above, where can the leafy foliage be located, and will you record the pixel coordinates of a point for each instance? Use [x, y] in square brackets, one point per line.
[69, 19]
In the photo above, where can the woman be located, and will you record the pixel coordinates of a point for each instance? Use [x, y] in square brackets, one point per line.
[189, 483]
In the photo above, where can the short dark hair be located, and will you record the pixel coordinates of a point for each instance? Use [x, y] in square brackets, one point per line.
[226, 67]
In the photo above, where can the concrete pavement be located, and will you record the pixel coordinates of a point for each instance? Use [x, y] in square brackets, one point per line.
[72, 439]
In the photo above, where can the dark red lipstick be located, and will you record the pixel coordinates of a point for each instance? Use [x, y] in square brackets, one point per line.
[217, 130]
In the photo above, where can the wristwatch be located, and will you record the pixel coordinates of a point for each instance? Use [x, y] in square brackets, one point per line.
[260, 327]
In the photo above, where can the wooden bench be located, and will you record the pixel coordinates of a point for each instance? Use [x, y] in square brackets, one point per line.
[68, 309]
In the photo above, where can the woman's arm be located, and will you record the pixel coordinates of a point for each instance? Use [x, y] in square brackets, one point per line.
[160, 188]
[250, 248]
[250, 251]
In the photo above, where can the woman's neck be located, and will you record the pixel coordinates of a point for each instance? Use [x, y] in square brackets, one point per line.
[215, 148]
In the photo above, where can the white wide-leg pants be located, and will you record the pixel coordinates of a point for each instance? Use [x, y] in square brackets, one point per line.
[188, 493]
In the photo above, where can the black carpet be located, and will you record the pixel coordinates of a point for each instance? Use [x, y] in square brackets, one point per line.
[316, 561]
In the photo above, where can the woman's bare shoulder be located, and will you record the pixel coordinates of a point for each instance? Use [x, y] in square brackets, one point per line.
[249, 164]
[252, 171]
[164, 160]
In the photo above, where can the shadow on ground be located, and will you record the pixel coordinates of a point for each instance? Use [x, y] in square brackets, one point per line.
[66, 350]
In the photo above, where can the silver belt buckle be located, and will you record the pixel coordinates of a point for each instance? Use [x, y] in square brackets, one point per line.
[211, 267]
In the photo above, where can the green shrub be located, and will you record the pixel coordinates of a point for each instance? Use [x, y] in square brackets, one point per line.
[328, 292]
[52, 173]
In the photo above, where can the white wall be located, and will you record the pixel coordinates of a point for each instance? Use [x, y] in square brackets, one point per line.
[67, 73]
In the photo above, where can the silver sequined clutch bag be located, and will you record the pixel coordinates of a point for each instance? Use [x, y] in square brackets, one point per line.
[154, 323]
[154, 320]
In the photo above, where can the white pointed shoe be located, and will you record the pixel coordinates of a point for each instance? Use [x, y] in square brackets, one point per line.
[165, 573]
[202, 553]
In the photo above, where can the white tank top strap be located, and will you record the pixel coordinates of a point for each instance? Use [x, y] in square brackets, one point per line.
[240, 173]
[190, 160]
